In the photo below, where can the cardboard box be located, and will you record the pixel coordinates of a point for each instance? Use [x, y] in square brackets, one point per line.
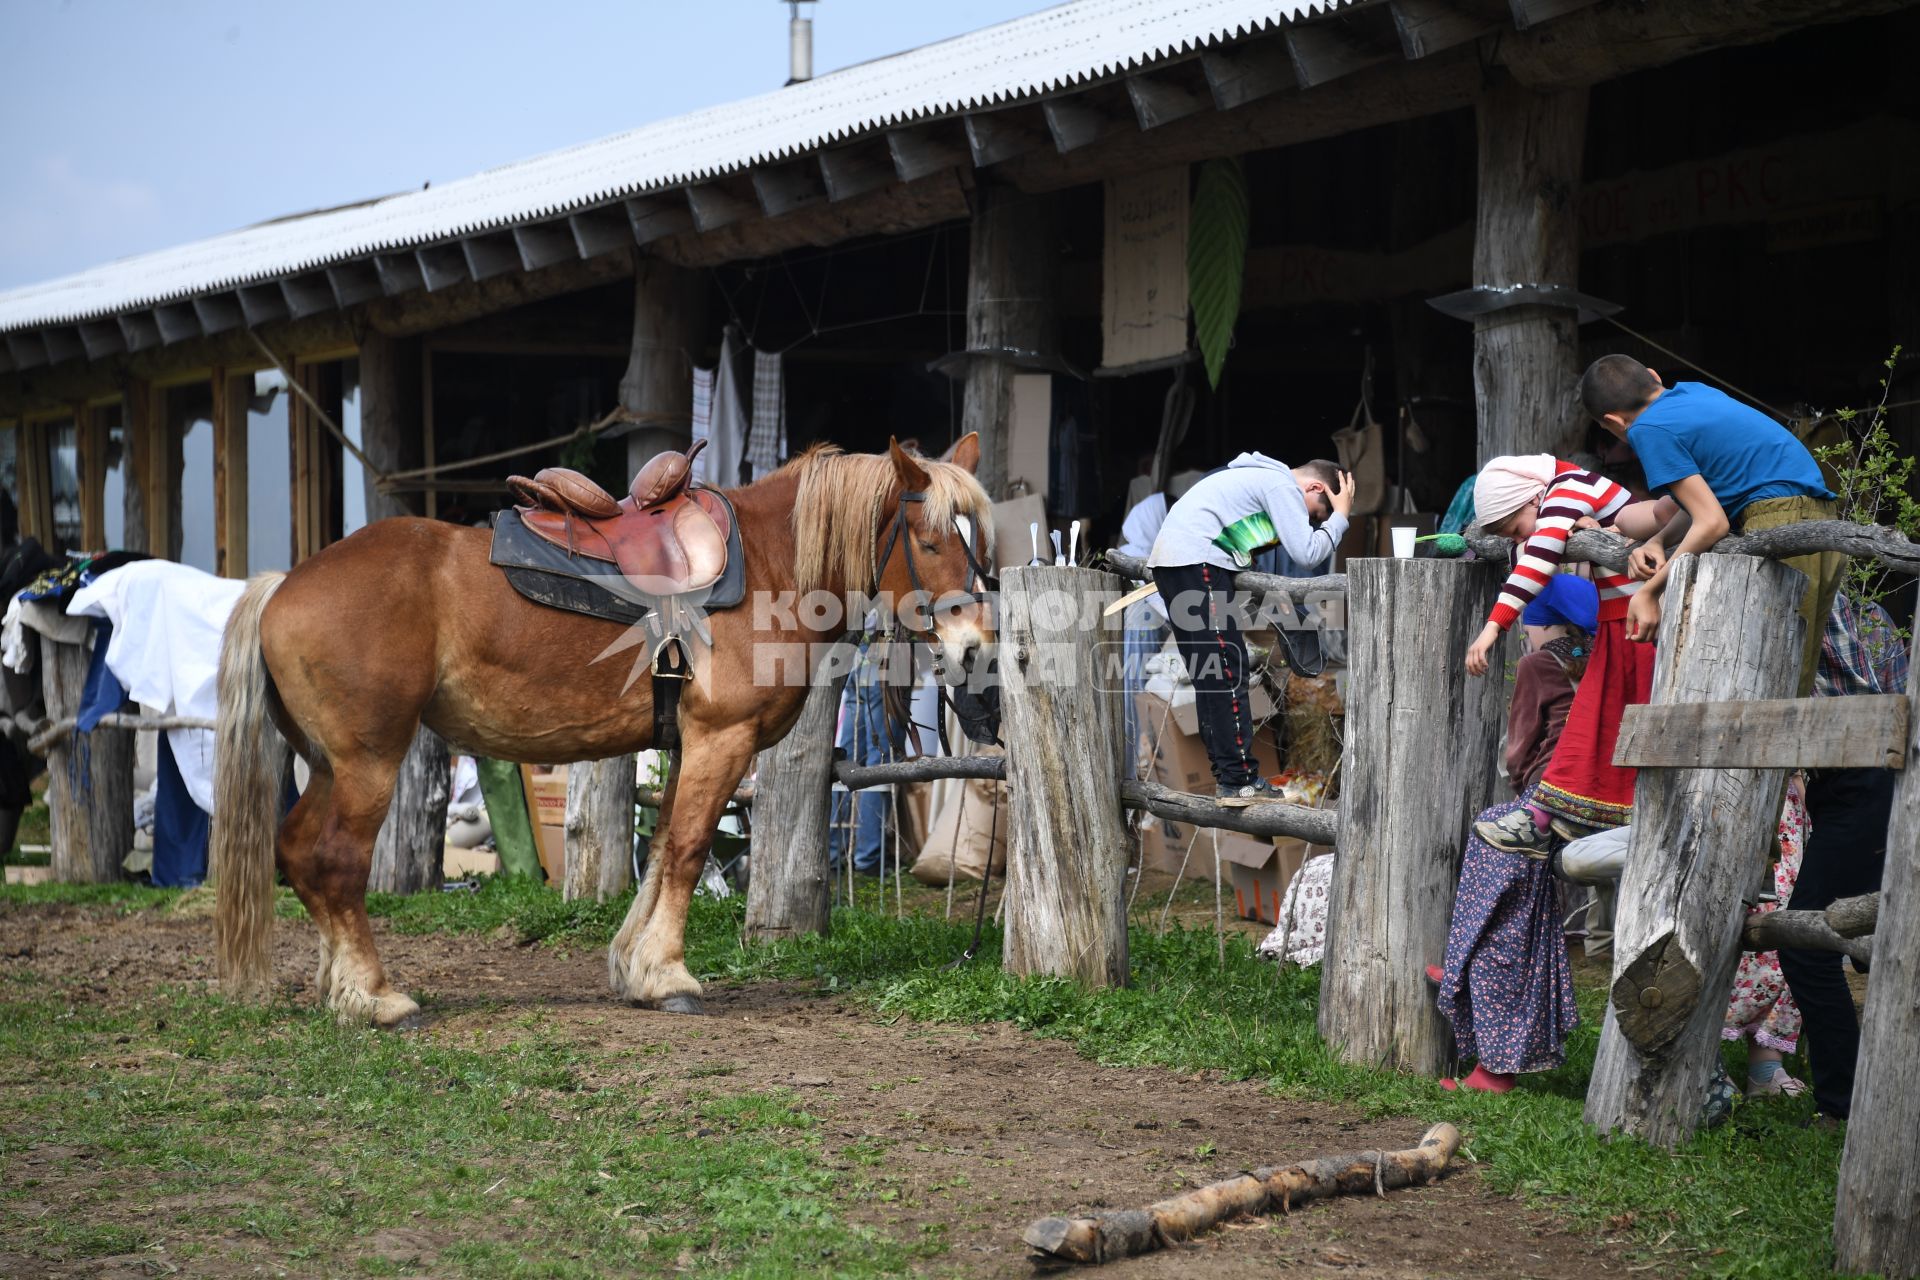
[1174, 697]
[547, 807]
[1179, 763]
[1260, 882]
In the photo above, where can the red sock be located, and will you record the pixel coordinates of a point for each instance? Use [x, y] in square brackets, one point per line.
[1481, 1080]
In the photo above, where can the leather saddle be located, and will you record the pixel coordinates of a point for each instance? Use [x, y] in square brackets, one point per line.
[668, 536]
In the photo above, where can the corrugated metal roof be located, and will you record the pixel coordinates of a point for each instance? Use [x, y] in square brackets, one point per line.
[1043, 52]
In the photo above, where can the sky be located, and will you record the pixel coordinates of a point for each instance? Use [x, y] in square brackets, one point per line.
[131, 125]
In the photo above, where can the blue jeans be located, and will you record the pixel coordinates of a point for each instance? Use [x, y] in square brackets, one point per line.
[867, 737]
[1145, 634]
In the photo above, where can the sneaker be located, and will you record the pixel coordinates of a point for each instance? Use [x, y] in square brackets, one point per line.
[1515, 832]
[1258, 789]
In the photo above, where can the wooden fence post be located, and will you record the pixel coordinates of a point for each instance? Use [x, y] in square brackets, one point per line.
[89, 778]
[1067, 843]
[1729, 632]
[410, 851]
[1879, 1188]
[789, 891]
[599, 828]
[1421, 736]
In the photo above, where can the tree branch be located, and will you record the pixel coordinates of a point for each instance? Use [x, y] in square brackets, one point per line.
[1890, 548]
[1327, 584]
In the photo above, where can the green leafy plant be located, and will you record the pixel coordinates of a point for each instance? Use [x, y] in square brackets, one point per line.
[1217, 229]
[1873, 479]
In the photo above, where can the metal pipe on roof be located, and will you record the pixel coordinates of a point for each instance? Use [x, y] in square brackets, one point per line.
[799, 43]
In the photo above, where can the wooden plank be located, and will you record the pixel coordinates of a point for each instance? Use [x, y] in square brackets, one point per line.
[1335, 47]
[27, 350]
[1531, 13]
[1873, 1203]
[490, 255]
[1865, 732]
[1699, 837]
[230, 474]
[854, 171]
[353, 283]
[1247, 72]
[1427, 27]
[308, 294]
[652, 217]
[994, 136]
[177, 322]
[784, 188]
[102, 338]
[140, 329]
[1159, 100]
[218, 312]
[1421, 745]
[137, 409]
[713, 206]
[928, 149]
[1074, 122]
[598, 231]
[398, 272]
[544, 243]
[161, 478]
[90, 469]
[442, 266]
[262, 304]
[62, 342]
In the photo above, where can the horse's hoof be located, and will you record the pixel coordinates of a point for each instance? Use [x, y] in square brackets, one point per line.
[683, 1004]
[395, 1012]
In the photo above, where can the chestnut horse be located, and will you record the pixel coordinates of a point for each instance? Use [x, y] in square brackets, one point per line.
[406, 622]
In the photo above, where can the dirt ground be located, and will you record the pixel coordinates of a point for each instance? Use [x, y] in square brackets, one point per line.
[988, 1128]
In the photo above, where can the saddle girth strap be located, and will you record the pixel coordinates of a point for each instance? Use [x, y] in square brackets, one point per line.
[670, 672]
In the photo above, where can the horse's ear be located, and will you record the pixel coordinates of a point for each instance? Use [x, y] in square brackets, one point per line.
[965, 453]
[913, 476]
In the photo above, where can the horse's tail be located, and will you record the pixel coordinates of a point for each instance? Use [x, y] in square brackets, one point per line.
[251, 763]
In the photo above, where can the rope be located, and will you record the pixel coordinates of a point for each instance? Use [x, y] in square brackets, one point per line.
[325, 417]
[615, 418]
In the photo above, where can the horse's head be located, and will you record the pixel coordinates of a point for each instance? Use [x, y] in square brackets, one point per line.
[936, 550]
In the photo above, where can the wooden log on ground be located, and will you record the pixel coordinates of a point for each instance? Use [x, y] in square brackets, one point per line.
[1421, 737]
[1729, 631]
[1854, 917]
[789, 892]
[1127, 1232]
[599, 828]
[410, 851]
[1803, 930]
[89, 778]
[1526, 232]
[1067, 845]
[1892, 549]
[1878, 1198]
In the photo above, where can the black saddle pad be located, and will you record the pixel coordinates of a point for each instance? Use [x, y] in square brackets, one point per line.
[546, 574]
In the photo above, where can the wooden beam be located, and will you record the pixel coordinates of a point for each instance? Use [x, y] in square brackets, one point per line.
[158, 477]
[1427, 27]
[218, 312]
[136, 418]
[927, 149]
[1074, 122]
[895, 208]
[399, 273]
[854, 171]
[544, 243]
[1248, 72]
[1531, 13]
[353, 283]
[714, 206]
[652, 217]
[442, 266]
[1159, 100]
[1341, 45]
[140, 329]
[994, 136]
[62, 343]
[784, 188]
[598, 231]
[262, 304]
[6, 359]
[177, 322]
[230, 474]
[28, 350]
[1864, 732]
[308, 295]
[487, 256]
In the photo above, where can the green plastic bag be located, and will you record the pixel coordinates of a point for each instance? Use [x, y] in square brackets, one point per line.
[507, 810]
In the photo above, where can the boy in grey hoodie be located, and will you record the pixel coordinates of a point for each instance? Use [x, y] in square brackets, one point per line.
[1211, 534]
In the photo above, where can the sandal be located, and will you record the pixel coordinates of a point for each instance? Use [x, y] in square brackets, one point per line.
[1776, 1084]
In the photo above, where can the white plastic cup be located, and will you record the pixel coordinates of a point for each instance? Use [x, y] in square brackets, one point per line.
[1403, 536]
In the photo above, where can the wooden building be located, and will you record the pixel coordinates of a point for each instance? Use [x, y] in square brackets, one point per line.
[990, 233]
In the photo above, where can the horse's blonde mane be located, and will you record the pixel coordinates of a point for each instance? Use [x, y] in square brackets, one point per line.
[836, 514]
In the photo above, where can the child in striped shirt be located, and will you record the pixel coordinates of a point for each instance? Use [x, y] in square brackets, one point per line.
[1537, 501]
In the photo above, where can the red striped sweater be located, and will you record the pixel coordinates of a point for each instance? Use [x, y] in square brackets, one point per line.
[1573, 495]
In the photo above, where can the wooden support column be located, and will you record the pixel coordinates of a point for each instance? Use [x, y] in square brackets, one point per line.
[411, 848]
[788, 893]
[669, 313]
[137, 423]
[599, 828]
[33, 473]
[1012, 274]
[89, 778]
[1879, 1187]
[90, 470]
[1419, 767]
[1700, 837]
[390, 419]
[162, 480]
[1067, 843]
[1526, 231]
[229, 475]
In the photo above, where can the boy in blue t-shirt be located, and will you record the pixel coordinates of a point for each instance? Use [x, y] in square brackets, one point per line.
[1731, 468]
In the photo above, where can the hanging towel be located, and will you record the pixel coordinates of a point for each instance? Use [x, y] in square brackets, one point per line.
[180, 827]
[702, 414]
[102, 695]
[767, 441]
[719, 465]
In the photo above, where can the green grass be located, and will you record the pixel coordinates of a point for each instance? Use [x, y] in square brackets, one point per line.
[1754, 1198]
